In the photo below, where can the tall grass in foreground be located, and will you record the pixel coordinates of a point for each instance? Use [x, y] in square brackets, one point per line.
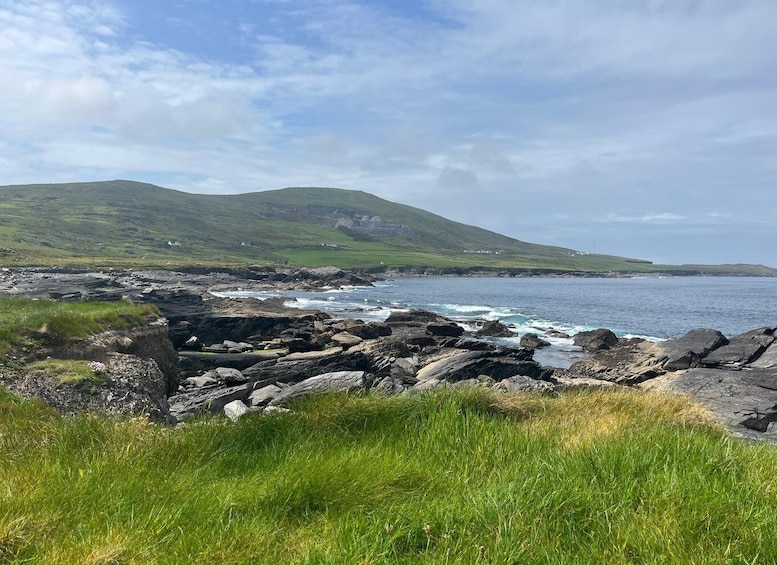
[464, 477]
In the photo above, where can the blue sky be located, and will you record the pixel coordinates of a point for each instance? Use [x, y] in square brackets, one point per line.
[644, 128]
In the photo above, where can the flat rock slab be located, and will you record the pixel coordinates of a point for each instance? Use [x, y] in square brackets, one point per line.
[308, 355]
[340, 381]
[188, 404]
[746, 401]
[203, 361]
[768, 359]
[461, 365]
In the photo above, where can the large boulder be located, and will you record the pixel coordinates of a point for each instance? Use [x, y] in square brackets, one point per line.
[414, 317]
[340, 381]
[533, 341]
[372, 330]
[263, 396]
[629, 362]
[741, 349]
[286, 370]
[745, 400]
[494, 328]
[346, 339]
[458, 365]
[595, 340]
[235, 409]
[687, 351]
[445, 329]
[212, 401]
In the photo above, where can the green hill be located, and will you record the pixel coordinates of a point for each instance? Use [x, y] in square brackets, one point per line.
[124, 223]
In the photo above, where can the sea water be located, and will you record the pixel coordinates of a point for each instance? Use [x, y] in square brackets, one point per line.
[651, 307]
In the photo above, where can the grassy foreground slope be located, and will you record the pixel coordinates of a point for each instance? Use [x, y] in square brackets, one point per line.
[465, 477]
[124, 223]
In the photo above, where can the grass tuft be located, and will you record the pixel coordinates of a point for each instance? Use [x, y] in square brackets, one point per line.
[24, 320]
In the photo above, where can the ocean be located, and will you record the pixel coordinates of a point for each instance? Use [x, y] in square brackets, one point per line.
[652, 307]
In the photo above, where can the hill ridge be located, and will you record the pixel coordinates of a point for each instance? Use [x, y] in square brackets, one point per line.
[131, 223]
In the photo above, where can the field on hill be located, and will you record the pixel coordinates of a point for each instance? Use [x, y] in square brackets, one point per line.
[129, 224]
[465, 477]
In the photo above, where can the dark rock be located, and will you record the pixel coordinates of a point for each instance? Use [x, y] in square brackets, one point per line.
[745, 400]
[493, 328]
[201, 382]
[230, 376]
[381, 355]
[533, 341]
[285, 370]
[445, 329]
[235, 347]
[468, 344]
[189, 404]
[741, 349]
[389, 386]
[557, 334]
[629, 362]
[340, 381]
[301, 345]
[370, 331]
[595, 340]
[181, 333]
[460, 365]
[420, 340]
[768, 359]
[416, 316]
[195, 362]
[687, 351]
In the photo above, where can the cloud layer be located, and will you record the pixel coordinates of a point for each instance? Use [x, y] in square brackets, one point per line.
[643, 128]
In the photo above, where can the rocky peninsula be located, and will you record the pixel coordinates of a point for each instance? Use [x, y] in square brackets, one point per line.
[215, 355]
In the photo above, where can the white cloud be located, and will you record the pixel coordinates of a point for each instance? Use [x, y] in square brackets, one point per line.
[564, 108]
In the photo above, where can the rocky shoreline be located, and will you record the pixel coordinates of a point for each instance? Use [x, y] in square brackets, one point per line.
[216, 355]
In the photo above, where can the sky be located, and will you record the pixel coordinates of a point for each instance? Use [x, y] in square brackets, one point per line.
[641, 128]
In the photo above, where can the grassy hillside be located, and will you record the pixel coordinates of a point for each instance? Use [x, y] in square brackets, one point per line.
[467, 477]
[126, 223]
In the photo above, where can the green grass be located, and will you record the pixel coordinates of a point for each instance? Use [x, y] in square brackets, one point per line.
[129, 224]
[66, 371]
[467, 477]
[23, 320]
